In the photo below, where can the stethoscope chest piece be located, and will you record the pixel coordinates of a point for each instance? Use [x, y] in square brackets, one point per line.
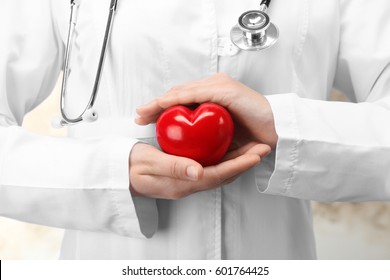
[254, 31]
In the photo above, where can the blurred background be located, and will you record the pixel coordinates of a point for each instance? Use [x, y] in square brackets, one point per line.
[343, 230]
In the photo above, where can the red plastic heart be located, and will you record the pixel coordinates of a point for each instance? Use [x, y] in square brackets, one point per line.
[204, 134]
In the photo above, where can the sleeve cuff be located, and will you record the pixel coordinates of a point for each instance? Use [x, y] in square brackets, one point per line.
[283, 161]
[136, 216]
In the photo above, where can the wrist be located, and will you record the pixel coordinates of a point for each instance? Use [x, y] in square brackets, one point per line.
[270, 136]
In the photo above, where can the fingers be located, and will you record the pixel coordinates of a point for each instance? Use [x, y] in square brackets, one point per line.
[154, 162]
[199, 91]
[227, 171]
[213, 177]
[159, 175]
[187, 94]
[212, 89]
[148, 113]
[252, 148]
[180, 168]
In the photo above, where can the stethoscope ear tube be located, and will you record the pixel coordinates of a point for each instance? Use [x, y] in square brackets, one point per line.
[89, 114]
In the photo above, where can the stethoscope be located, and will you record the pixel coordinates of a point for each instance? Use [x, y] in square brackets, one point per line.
[89, 114]
[253, 32]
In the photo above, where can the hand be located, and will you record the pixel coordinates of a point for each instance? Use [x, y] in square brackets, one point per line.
[250, 110]
[158, 175]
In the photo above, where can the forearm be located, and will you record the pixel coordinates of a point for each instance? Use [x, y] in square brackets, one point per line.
[330, 151]
[70, 183]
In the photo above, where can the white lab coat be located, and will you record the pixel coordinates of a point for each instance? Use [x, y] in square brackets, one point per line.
[327, 151]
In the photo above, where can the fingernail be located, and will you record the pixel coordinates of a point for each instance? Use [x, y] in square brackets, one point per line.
[192, 172]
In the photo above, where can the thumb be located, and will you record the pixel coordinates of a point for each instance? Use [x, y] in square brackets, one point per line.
[180, 168]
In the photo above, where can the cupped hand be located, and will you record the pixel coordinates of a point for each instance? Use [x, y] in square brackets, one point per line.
[155, 174]
[250, 110]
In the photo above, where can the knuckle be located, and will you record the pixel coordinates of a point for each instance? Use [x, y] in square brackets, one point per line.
[175, 169]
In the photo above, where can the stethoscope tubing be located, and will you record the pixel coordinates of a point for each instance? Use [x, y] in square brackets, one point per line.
[92, 115]
[242, 37]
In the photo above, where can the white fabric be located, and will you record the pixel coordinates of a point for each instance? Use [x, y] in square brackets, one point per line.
[327, 151]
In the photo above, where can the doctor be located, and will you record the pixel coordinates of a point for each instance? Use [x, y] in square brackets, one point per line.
[321, 150]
